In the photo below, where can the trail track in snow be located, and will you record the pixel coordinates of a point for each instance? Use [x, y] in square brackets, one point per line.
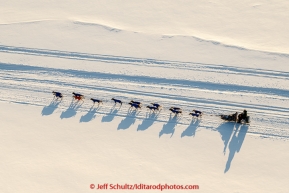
[145, 62]
[28, 84]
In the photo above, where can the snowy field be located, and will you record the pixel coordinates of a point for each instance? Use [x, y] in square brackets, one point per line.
[218, 57]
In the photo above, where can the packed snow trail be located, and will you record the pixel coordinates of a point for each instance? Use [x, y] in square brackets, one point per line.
[267, 105]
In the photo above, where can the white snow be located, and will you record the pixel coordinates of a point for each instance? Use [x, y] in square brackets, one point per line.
[216, 56]
[50, 154]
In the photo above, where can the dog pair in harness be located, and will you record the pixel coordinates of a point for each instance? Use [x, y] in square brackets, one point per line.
[135, 105]
[77, 96]
[154, 107]
[176, 110]
[196, 113]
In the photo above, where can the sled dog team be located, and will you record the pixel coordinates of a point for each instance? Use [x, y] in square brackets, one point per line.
[133, 104]
[236, 117]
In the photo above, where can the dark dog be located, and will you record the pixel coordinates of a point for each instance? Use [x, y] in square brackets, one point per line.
[157, 105]
[176, 108]
[195, 114]
[152, 108]
[139, 103]
[116, 101]
[77, 96]
[198, 112]
[57, 94]
[96, 101]
[176, 111]
[135, 105]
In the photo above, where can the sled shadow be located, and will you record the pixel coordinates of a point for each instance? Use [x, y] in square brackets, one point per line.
[71, 111]
[236, 144]
[48, 110]
[128, 120]
[169, 127]
[148, 121]
[110, 116]
[191, 130]
[226, 129]
[90, 115]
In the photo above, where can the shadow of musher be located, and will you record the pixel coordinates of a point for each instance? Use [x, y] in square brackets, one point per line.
[236, 144]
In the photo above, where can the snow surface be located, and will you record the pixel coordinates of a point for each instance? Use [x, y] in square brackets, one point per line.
[216, 56]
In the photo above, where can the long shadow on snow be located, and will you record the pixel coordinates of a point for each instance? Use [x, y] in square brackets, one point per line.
[233, 138]
[148, 121]
[191, 130]
[90, 115]
[110, 116]
[236, 144]
[128, 120]
[169, 127]
[226, 129]
[147, 79]
[71, 111]
[48, 110]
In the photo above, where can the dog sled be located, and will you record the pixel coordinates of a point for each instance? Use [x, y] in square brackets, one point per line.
[242, 118]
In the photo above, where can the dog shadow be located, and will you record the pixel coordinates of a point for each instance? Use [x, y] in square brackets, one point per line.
[169, 127]
[71, 111]
[90, 115]
[48, 110]
[110, 116]
[191, 130]
[148, 121]
[128, 120]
